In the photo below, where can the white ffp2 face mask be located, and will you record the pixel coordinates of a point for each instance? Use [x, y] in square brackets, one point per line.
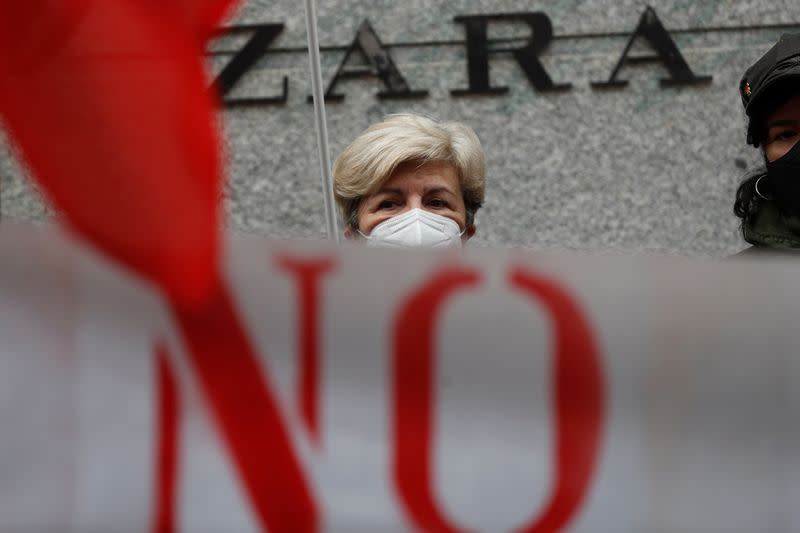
[416, 229]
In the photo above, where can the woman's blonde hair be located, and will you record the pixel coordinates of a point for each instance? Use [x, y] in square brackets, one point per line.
[364, 166]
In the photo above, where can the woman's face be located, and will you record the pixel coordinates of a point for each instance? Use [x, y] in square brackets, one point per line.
[783, 129]
[432, 187]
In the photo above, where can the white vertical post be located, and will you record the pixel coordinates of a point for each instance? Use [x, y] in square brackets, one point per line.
[320, 120]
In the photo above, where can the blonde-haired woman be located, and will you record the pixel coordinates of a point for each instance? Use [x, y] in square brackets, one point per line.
[411, 181]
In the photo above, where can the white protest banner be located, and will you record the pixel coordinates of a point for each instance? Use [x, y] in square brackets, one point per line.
[351, 389]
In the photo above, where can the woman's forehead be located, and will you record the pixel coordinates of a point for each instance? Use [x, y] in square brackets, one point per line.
[789, 110]
[414, 173]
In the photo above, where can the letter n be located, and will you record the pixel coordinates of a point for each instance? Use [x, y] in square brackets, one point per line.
[247, 415]
[167, 450]
[651, 28]
[308, 275]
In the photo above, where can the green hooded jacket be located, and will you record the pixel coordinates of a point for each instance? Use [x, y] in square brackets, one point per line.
[770, 231]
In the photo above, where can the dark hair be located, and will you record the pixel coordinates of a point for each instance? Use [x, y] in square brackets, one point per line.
[748, 201]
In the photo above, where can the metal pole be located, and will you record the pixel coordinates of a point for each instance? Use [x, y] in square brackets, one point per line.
[319, 119]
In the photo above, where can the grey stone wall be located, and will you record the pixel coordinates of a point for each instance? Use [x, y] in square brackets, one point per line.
[643, 169]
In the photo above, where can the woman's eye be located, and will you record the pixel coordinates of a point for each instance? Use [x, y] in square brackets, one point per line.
[785, 135]
[387, 204]
[437, 203]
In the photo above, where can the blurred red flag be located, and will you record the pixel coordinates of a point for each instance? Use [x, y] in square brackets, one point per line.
[107, 101]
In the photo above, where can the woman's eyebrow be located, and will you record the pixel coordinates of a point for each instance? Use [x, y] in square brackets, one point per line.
[783, 122]
[439, 189]
[388, 190]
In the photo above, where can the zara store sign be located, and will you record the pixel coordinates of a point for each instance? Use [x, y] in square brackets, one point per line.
[480, 51]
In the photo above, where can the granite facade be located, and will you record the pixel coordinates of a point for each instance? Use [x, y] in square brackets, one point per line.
[643, 169]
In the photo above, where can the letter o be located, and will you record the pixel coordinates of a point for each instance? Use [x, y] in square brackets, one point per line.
[578, 399]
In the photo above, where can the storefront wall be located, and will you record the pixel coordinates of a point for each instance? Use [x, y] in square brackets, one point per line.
[642, 168]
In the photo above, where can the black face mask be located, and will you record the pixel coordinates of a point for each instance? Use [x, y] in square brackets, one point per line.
[783, 176]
